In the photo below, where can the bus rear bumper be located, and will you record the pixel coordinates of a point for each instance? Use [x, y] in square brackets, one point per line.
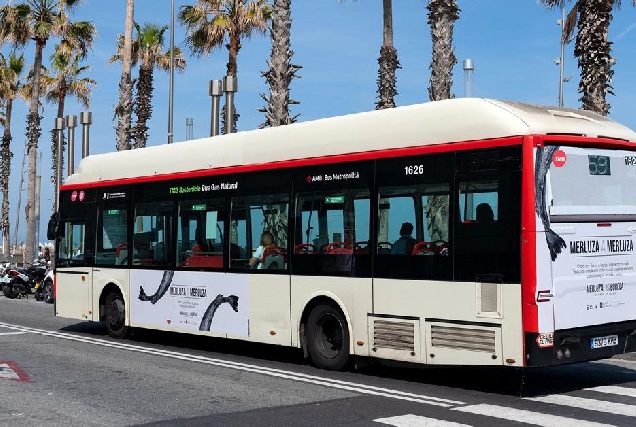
[576, 345]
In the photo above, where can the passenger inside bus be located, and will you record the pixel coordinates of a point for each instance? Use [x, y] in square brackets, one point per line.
[484, 213]
[404, 245]
[259, 257]
[201, 244]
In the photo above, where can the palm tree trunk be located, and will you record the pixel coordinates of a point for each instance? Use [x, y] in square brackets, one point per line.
[281, 70]
[5, 168]
[33, 136]
[143, 105]
[593, 51]
[442, 15]
[388, 61]
[124, 107]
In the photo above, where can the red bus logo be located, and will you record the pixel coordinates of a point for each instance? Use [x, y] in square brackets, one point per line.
[559, 158]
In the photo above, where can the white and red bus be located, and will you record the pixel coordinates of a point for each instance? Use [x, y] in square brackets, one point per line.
[521, 251]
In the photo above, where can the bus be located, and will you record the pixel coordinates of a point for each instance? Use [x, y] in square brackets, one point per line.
[460, 232]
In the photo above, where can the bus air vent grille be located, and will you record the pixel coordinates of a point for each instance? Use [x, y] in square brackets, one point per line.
[489, 292]
[394, 335]
[463, 338]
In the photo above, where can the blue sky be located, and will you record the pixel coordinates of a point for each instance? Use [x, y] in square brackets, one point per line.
[513, 45]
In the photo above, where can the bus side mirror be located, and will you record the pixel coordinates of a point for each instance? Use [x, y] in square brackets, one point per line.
[53, 227]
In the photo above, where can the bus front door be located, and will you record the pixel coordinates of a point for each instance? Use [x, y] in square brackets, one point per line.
[73, 272]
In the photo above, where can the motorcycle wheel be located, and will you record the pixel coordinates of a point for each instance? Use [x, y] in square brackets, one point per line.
[39, 295]
[48, 291]
[7, 290]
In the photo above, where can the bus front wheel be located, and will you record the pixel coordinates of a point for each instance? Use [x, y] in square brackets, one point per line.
[328, 337]
[116, 315]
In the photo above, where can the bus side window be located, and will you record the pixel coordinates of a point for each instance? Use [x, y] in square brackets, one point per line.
[332, 233]
[200, 236]
[413, 220]
[112, 221]
[251, 217]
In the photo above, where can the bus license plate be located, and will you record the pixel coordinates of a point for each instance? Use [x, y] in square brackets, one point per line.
[607, 341]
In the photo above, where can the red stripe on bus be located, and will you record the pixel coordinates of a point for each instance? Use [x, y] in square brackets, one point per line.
[530, 310]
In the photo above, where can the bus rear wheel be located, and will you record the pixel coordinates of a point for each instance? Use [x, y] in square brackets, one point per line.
[328, 337]
[116, 315]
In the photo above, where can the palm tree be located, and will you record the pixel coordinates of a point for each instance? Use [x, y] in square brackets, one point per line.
[123, 110]
[279, 76]
[281, 70]
[66, 80]
[592, 48]
[210, 23]
[147, 48]
[442, 15]
[39, 20]
[10, 84]
[388, 61]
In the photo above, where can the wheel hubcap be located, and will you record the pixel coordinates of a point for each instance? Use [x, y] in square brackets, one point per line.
[329, 336]
[116, 314]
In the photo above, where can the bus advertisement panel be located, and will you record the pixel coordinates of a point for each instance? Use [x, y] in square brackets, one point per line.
[190, 300]
[586, 264]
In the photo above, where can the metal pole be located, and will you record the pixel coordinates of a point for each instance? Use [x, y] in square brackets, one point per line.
[38, 189]
[189, 127]
[469, 66]
[71, 122]
[216, 91]
[86, 118]
[561, 59]
[230, 85]
[171, 89]
[59, 128]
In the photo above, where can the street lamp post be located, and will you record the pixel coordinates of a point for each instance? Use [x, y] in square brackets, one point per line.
[216, 91]
[171, 89]
[71, 123]
[562, 24]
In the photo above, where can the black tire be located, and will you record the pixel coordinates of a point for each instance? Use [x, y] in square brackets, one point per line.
[116, 315]
[47, 291]
[39, 295]
[328, 337]
[7, 290]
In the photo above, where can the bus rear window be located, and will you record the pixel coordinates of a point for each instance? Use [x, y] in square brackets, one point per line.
[584, 182]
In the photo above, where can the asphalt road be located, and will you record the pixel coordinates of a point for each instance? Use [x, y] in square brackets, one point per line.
[60, 372]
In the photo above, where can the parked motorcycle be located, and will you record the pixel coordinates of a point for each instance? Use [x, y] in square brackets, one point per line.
[23, 281]
[44, 287]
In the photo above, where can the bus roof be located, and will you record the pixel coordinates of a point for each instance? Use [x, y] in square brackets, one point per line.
[439, 122]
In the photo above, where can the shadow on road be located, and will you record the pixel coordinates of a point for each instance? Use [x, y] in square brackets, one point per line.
[497, 380]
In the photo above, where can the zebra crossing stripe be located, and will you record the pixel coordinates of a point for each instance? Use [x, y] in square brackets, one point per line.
[611, 389]
[411, 420]
[523, 416]
[587, 404]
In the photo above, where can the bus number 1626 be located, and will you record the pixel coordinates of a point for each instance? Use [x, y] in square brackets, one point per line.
[414, 170]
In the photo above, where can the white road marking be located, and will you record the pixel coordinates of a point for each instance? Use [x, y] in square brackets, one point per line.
[411, 420]
[587, 404]
[278, 373]
[523, 416]
[12, 333]
[612, 389]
